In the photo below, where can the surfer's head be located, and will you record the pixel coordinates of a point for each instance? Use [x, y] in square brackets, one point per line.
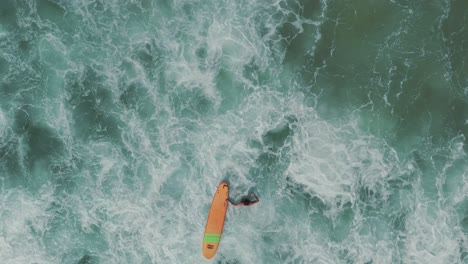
[246, 202]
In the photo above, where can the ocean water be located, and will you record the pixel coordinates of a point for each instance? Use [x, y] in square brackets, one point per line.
[348, 119]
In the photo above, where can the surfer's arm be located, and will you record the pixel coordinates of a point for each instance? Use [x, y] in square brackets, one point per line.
[256, 199]
[234, 204]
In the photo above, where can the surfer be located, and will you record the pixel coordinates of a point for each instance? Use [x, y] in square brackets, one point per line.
[246, 201]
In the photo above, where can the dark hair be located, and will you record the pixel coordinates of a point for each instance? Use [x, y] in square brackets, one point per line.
[246, 202]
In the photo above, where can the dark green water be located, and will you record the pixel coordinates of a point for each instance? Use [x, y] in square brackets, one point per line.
[348, 119]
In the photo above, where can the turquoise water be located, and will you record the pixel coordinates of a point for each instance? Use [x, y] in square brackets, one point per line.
[118, 119]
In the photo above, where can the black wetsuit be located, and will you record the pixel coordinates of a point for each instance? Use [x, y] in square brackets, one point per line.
[246, 202]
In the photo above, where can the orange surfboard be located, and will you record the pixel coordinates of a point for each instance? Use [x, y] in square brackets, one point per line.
[215, 223]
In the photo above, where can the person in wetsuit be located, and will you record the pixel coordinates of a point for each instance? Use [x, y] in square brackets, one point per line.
[246, 201]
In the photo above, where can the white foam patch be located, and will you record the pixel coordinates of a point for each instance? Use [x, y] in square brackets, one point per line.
[188, 75]
[23, 218]
[264, 233]
[432, 235]
[3, 125]
[60, 118]
[223, 141]
[228, 39]
[135, 223]
[451, 183]
[331, 161]
[53, 52]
